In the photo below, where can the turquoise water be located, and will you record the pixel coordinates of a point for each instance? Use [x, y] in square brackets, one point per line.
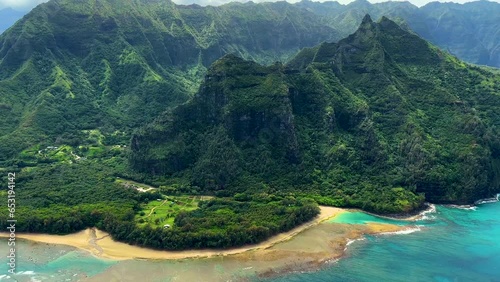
[45, 262]
[450, 244]
[453, 244]
[362, 218]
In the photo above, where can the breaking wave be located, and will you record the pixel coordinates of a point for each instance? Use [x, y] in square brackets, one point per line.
[404, 231]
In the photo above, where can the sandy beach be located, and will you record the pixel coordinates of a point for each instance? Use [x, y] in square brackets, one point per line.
[101, 244]
[303, 249]
[307, 247]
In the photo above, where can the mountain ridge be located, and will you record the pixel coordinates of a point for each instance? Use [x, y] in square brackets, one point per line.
[126, 65]
[362, 95]
[359, 123]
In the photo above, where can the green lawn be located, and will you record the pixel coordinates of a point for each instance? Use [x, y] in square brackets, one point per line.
[158, 213]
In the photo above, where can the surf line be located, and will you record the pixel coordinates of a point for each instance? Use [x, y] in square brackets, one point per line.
[488, 200]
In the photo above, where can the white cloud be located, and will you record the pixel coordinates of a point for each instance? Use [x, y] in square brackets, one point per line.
[219, 2]
[22, 5]
[25, 5]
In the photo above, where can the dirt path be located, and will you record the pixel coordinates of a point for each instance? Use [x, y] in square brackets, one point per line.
[153, 209]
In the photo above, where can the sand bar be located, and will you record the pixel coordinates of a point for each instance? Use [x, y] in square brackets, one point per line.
[100, 244]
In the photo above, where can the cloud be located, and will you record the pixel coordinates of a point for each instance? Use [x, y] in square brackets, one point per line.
[22, 5]
[219, 2]
[26, 5]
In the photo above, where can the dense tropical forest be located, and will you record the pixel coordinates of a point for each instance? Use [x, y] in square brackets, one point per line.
[136, 121]
[467, 30]
[357, 123]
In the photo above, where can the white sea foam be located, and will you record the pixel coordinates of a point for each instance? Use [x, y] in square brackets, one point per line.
[426, 214]
[464, 207]
[431, 209]
[28, 272]
[353, 240]
[488, 200]
[427, 217]
[404, 231]
[332, 261]
[350, 241]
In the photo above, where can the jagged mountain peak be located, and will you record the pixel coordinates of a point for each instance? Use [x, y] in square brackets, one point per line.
[366, 20]
[351, 107]
[372, 43]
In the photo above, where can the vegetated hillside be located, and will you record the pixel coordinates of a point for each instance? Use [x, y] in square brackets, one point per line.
[466, 30]
[77, 77]
[469, 31]
[371, 122]
[115, 65]
[8, 17]
[72, 66]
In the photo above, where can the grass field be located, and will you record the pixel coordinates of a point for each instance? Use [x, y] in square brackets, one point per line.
[158, 213]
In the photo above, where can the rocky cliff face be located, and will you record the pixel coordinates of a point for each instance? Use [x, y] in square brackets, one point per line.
[365, 122]
[114, 65]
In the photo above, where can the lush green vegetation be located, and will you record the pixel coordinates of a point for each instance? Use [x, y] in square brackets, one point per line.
[90, 67]
[467, 30]
[377, 121]
[162, 211]
[380, 121]
[64, 189]
[65, 197]
[220, 223]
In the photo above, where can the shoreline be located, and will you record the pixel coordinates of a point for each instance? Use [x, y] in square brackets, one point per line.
[101, 245]
[307, 247]
[333, 249]
[430, 208]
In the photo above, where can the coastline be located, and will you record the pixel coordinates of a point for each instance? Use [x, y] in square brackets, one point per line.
[101, 245]
[417, 215]
[308, 247]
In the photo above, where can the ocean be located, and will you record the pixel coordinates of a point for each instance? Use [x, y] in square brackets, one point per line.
[451, 244]
[448, 244]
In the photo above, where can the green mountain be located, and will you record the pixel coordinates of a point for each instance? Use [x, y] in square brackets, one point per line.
[114, 65]
[466, 30]
[78, 77]
[374, 121]
[380, 120]
[469, 31]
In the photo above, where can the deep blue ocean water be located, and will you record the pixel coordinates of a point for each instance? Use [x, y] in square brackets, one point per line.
[453, 244]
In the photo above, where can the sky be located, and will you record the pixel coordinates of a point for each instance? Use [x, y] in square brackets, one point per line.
[25, 5]
[20, 5]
